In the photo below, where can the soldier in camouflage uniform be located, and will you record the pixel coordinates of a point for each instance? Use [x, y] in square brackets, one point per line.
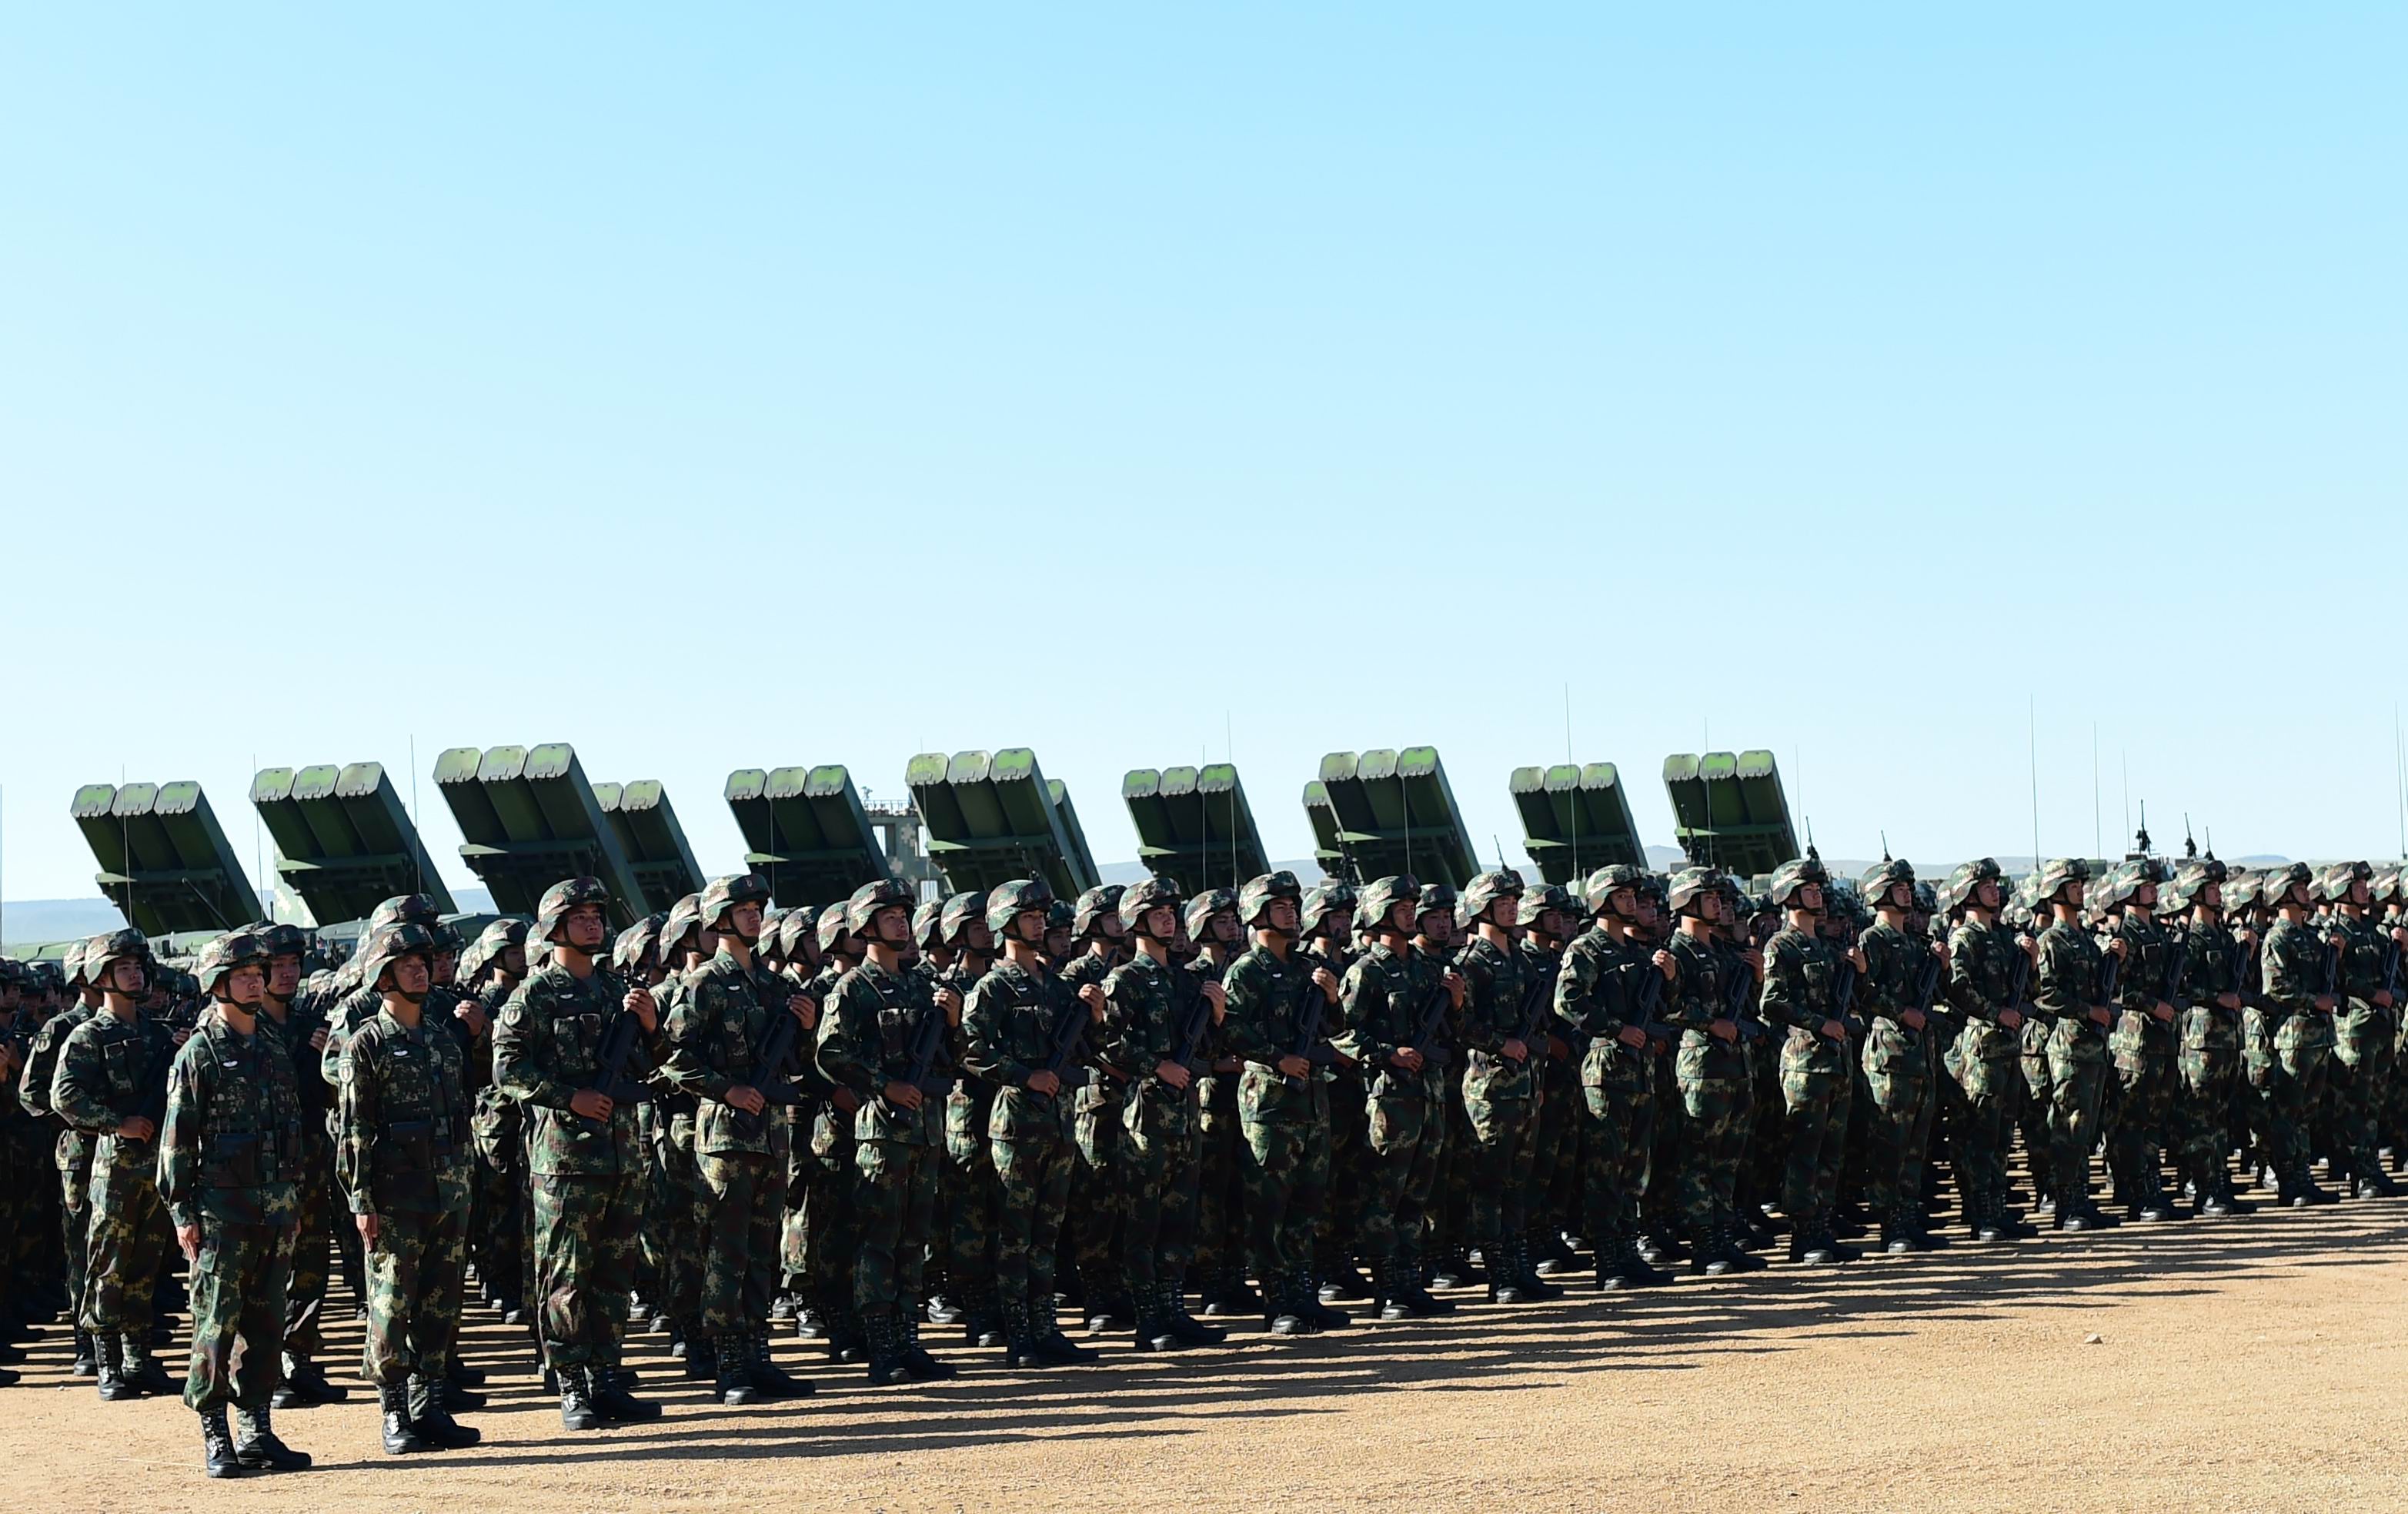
[401, 1154]
[1986, 962]
[1800, 996]
[1157, 1019]
[720, 1017]
[968, 1228]
[2363, 1031]
[1544, 919]
[24, 1179]
[1712, 1075]
[230, 1158]
[2287, 1051]
[1012, 1028]
[1385, 1004]
[1211, 923]
[2143, 1042]
[1506, 1006]
[1326, 921]
[831, 1228]
[1279, 999]
[582, 1160]
[1896, 1068]
[1099, 1211]
[2208, 1005]
[680, 1217]
[111, 1081]
[1597, 997]
[871, 1029]
[2069, 975]
[72, 1152]
[490, 970]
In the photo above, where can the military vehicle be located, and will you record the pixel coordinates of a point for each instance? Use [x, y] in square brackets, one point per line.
[992, 818]
[1387, 813]
[1575, 819]
[1194, 825]
[807, 832]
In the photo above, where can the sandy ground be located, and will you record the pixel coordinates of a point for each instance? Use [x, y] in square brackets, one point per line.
[2252, 1364]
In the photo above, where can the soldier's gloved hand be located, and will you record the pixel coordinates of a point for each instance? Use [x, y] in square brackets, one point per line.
[189, 1238]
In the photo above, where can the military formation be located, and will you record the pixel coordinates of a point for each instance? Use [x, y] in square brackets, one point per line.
[1165, 1113]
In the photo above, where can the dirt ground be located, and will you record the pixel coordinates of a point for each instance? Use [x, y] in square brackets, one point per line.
[2252, 1364]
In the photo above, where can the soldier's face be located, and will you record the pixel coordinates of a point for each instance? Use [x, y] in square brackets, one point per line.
[1986, 895]
[1282, 915]
[1028, 927]
[1624, 902]
[893, 926]
[1710, 907]
[412, 973]
[745, 916]
[1437, 925]
[1504, 911]
[2212, 895]
[1057, 941]
[2145, 896]
[246, 984]
[125, 976]
[1550, 922]
[582, 927]
[706, 941]
[514, 961]
[1161, 923]
[2073, 891]
[283, 974]
[446, 966]
[1225, 928]
[2361, 892]
[1809, 898]
[1109, 926]
[1400, 916]
[977, 937]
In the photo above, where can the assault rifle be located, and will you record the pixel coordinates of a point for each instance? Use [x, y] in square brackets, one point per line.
[612, 1080]
[1844, 995]
[772, 1056]
[1310, 1044]
[927, 1040]
[1735, 1002]
[1069, 1034]
[2333, 968]
[1187, 1042]
[1432, 1019]
[2391, 972]
[1538, 1003]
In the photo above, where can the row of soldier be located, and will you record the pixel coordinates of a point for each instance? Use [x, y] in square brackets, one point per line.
[866, 1119]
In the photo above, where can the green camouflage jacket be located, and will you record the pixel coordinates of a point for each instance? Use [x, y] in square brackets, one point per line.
[1008, 1025]
[1265, 1019]
[547, 1048]
[722, 1012]
[402, 1123]
[868, 1024]
[1381, 1003]
[107, 1071]
[232, 1148]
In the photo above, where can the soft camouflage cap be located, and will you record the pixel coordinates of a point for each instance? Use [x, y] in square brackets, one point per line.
[1331, 896]
[1608, 881]
[1102, 900]
[1379, 900]
[563, 896]
[1535, 902]
[1006, 901]
[388, 944]
[868, 900]
[959, 911]
[1256, 896]
[417, 908]
[219, 957]
[1689, 884]
[1140, 896]
[724, 894]
[1482, 893]
[1791, 876]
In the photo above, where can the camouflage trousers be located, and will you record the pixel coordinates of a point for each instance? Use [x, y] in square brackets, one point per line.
[75, 1228]
[1555, 1173]
[501, 1200]
[1284, 1167]
[1338, 1231]
[237, 1289]
[746, 1191]
[2287, 1062]
[313, 1247]
[897, 1201]
[1617, 1137]
[678, 1224]
[2361, 1086]
[1898, 1076]
[1989, 1087]
[1032, 1177]
[1717, 1110]
[417, 1272]
[794, 1237]
[586, 1255]
[831, 1212]
[1406, 1134]
[1221, 1185]
[2077, 1075]
[2145, 1086]
[2201, 1127]
[1098, 1212]
[1160, 1173]
[970, 1196]
[2040, 1098]
[1447, 1224]
[126, 1243]
[1815, 1088]
[1503, 1142]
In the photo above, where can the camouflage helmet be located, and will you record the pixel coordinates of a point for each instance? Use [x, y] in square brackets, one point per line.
[1380, 898]
[1139, 897]
[830, 928]
[2125, 881]
[1256, 898]
[2244, 889]
[683, 918]
[795, 929]
[13, 974]
[1437, 898]
[219, 957]
[1957, 892]
[1926, 899]
[1200, 910]
[1330, 896]
[868, 900]
[960, 911]
[102, 952]
[418, 909]
[1061, 916]
[2332, 886]
[2054, 875]
[1689, 884]
[71, 968]
[1482, 893]
[388, 943]
[1793, 876]
[2276, 883]
[1610, 880]
[631, 953]
[2190, 879]
[563, 896]
[45, 977]
[1007, 901]
[721, 895]
[1102, 900]
[279, 938]
[1879, 878]
[925, 918]
[498, 937]
[2387, 886]
[1535, 902]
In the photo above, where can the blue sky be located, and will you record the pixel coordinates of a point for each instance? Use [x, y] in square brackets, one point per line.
[742, 386]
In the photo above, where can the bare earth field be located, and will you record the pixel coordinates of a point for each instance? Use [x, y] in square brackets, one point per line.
[2253, 1363]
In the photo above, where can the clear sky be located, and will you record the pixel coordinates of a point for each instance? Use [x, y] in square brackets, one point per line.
[727, 386]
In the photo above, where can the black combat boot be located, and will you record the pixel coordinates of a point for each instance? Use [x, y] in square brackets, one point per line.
[2303, 1192]
[1153, 1333]
[1045, 1330]
[110, 1370]
[1507, 1280]
[1020, 1352]
[143, 1370]
[810, 1324]
[848, 1335]
[1341, 1279]
[1308, 1298]
[1533, 1286]
[614, 1403]
[1283, 1314]
[401, 1435]
[308, 1380]
[918, 1365]
[1172, 1305]
[256, 1444]
[702, 1363]
[884, 1342]
[945, 1306]
[1806, 1244]
[87, 1361]
[577, 1407]
[733, 1378]
[430, 1415]
[767, 1377]
[1840, 1251]
[1620, 1265]
[1455, 1269]
[218, 1456]
[2233, 1204]
[1549, 1252]
[983, 1317]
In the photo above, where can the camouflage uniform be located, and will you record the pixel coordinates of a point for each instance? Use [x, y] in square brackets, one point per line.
[583, 1177]
[1285, 1126]
[2142, 1047]
[1716, 1091]
[231, 1158]
[401, 1152]
[1008, 1025]
[1597, 993]
[2362, 1045]
[866, 1028]
[2067, 981]
[2289, 1062]
[2209, 1061]
[971, 1182]
[1983, 1061]
[1817, 1081]
[1099, 1211]
[71, 1153]
[106, 1073]
[1380, 1001]
[1897, 1066]
[1501, 1095]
